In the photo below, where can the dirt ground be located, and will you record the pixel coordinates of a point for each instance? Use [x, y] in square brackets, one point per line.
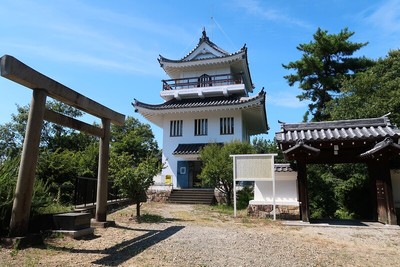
[187, 235]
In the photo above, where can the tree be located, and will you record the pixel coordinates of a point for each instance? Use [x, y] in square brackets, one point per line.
[325, 62]
[59, 169]
[339, 191]
[263, 146]
[53, 136]
[218, 165]
[372, 93]
[134, 138]
[135, 159]
[134, 181]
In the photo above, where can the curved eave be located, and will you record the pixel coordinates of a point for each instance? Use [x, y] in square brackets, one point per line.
[255, 118]
[246, 70]
[301, 150]
[168, 64]
[253, 110]
[383, 147]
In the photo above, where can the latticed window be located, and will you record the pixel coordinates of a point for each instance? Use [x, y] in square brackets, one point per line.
[204, 81]
[226, 125]
[175, 128]
[200, 126]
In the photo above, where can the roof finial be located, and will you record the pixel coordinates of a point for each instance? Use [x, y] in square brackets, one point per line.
[204, 33]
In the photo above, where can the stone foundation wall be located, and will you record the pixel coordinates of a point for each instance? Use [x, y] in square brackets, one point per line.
[158, 194]
[283, 212]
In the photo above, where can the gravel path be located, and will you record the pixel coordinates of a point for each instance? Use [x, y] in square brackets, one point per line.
[198, 236]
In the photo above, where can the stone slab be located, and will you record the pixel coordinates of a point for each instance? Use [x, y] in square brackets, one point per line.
[76, 233]
[71, 221]
[98, 224]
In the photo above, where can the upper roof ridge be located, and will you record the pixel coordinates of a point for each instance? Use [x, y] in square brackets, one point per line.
[205, 39]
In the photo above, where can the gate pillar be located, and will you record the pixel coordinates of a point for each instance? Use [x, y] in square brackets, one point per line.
[102, 182]
[303, 192]
[26, 176]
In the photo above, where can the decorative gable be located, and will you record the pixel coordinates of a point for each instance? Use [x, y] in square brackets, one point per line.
[205, 49]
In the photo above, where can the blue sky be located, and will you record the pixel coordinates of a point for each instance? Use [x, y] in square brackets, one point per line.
[108, 50]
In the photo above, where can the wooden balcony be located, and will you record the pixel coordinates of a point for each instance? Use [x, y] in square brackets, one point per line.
[202, 81]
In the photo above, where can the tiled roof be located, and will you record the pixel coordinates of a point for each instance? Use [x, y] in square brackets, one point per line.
[283, 167]
[189, 149]
[200, 103]
[300, 147]
[374, 128]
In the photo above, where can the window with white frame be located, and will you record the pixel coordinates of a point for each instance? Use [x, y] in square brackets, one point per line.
[200, 126]
[226, 125]
[175, 128]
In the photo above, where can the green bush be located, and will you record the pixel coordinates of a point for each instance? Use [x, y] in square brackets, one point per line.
[42, 201]
[8, 179]
[244, 196]
[41, 197]
[339, 191]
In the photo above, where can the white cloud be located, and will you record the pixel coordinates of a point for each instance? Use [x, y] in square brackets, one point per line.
[286, 99]
[123, 63]
[77, 32]
[254, 7]
[385, 17]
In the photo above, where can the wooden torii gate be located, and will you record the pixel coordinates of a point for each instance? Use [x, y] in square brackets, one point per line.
[373, 141]
[43, 86]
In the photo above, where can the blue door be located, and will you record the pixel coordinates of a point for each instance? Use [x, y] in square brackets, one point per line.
[183, 174]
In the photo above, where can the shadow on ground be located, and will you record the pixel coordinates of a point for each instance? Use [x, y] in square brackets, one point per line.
[130, 248]
[334, 222]
[121, 252]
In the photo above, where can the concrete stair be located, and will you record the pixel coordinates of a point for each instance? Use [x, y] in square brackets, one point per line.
[192, 196]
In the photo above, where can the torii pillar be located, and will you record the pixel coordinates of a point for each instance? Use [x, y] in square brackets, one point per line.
[26, 176]
[102, 177]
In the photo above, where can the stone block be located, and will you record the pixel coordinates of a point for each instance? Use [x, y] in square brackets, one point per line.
[72, 221]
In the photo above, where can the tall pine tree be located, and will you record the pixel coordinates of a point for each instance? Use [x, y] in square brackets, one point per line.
[325, 62]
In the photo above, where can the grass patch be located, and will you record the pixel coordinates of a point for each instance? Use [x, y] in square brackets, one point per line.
[151, 218]
[223, 209]
[53, 208]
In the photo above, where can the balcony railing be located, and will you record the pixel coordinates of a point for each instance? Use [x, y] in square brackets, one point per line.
[202, 81]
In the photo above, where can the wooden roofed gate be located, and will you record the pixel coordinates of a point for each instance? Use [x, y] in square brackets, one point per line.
[374, 141]
[43, 86]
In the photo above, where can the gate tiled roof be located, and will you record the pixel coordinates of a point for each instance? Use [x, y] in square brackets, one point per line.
[374, 128]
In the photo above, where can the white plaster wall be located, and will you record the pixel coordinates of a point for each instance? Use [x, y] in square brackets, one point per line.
[159, 179]
[285, 192]
[396, 187]
[208, 71]
[188, 137]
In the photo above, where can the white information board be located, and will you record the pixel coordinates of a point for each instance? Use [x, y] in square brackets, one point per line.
[253, 167]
